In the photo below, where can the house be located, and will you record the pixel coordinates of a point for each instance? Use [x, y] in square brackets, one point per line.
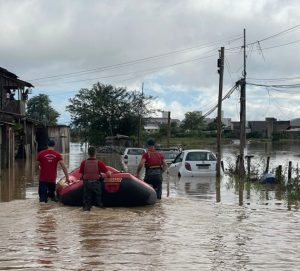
[15, 129]
[118, 140]
[20, 136]
[152, 124]
[263, 128]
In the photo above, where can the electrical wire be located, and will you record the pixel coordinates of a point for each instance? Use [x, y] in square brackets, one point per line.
[151, 70]
[227, 95]
[268, 37]
[137, 61]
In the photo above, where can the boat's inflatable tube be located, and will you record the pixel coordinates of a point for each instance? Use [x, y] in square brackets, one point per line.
[121, 189]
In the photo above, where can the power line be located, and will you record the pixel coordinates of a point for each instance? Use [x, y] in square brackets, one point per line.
[134, 72]
[268, 37]
[275, 86]
[136, 61]
[274, 79]
[225, 97]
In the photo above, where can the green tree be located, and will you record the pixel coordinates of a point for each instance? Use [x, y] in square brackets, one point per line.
[175, 129]
[38, 107]
[106, 110]
[193, 122]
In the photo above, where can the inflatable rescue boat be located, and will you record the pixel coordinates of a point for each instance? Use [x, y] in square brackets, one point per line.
[120, 190]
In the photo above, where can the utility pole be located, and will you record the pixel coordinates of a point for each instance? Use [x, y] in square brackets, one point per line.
[243, 114]
[140, 117]
[169, 129]
[219, 119]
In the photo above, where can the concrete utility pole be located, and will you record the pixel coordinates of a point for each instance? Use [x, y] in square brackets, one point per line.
[169, 129]
[243, 114]
[219, 120]
[140, 117]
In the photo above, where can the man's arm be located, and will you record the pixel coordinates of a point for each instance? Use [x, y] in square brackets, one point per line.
[139, 168]
[104, 169]
[64, 168]
[164, 165]
[108, 173]
[37, 165]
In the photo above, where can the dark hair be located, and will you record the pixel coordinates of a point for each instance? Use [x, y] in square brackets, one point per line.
[91, 151]
[51, 143]
[150, 142]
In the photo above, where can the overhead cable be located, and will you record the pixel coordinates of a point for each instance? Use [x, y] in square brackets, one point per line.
[225, 97]
[136, 61]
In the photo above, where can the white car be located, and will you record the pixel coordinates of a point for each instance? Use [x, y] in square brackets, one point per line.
[132, 156]
[195, 162]
[169, 154]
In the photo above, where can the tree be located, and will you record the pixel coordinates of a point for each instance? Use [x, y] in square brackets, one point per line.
[38, 107]
[106, 110]
[163, 129]
[193, 122]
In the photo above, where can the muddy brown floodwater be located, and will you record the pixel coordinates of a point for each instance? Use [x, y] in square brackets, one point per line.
[201, 225]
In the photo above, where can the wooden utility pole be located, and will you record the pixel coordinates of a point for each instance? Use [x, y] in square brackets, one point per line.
[140, 117]
[169, 129]
[219, 119]
[243, 114]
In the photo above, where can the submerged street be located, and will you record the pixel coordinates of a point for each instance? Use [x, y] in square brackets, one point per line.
[200, 225]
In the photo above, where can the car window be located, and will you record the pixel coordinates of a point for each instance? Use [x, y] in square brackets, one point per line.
[168, 154]
[179, 158]
[135, 151]
[196, 156]
[211, 157]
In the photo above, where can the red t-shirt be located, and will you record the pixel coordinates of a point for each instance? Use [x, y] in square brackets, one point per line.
[102, 167]
[48, 164]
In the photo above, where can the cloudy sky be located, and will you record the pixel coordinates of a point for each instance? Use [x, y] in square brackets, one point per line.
[169, 45]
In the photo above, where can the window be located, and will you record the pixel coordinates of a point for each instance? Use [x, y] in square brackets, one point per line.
[211, 157]
[135, 151]
[196, 156]
[179, 158]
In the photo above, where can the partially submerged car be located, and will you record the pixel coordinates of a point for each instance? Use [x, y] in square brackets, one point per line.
[194, 162]
[169, 154]
[132, 156]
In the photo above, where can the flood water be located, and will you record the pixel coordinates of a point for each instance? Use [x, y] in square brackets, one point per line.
[202, 224]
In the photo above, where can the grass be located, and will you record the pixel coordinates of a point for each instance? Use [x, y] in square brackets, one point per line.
[188, 142]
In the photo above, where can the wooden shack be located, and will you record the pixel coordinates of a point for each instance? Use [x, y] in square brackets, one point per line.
[17, 132]
[20, 136]
[61, 135]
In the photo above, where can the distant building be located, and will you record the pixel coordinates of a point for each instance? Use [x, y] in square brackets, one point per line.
[118, 140]
[152, 124]
[263, 128]
[151, 128]
[295, 123]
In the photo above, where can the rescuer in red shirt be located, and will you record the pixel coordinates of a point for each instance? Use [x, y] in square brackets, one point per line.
[47, 161]
[155, 164]
[90, 170]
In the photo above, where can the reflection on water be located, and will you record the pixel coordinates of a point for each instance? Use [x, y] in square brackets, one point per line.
[203, 224]
[199, 187]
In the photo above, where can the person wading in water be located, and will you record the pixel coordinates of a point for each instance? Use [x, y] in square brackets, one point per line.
[90, 170]
[47, 161]
[155, 165]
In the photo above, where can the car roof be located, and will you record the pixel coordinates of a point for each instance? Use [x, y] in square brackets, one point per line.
[197, 150]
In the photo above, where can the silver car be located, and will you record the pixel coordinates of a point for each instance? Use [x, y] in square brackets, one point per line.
[195, 162]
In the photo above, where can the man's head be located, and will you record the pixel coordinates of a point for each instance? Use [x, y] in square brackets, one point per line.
[92, 151]
[150, 143]
[51, 143]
